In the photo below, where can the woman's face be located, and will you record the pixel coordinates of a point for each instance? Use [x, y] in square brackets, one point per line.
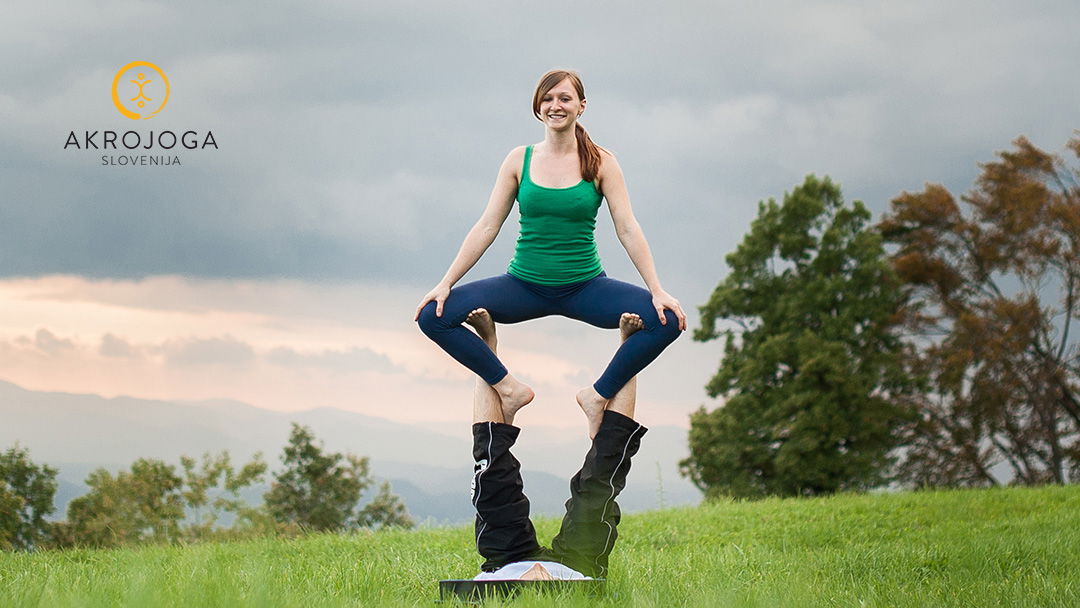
[560, 107]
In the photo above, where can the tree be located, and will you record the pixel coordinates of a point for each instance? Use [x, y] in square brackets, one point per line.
[812, 377]
[993, 293]
[217, 473]
[10, 521]
[142, 505]
[26, 497]
[385, 511]
[152, 502]
[321, 491]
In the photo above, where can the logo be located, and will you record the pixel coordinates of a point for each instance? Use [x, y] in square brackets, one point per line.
[478, 468]
[140, 90]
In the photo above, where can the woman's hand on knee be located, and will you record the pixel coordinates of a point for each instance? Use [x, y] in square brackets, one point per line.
[661, 300]
[437, 295]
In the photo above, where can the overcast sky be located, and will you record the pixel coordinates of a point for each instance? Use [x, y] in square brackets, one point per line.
[358, 142]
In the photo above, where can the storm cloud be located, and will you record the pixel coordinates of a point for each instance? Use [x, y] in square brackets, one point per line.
[359, 141]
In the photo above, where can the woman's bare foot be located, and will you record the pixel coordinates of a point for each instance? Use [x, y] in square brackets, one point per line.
[593, 404]
[514, 395]
[628, 324]
[484, 325]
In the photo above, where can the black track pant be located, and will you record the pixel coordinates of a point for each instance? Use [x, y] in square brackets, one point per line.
[588, 530]
[504, 533]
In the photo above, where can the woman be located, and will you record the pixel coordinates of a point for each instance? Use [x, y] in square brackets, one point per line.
[559, 184]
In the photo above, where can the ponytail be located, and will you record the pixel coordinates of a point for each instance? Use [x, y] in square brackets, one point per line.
[588, 154]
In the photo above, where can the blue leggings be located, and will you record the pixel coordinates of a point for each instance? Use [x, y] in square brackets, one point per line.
[599, 301]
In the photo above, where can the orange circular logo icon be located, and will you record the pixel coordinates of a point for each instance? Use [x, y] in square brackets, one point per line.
[140, 90]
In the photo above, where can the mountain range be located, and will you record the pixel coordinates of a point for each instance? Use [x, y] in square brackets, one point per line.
[429, 467]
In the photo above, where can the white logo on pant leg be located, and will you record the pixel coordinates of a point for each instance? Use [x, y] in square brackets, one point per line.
[478, 468]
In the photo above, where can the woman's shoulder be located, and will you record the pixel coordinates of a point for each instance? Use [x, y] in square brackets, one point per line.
[608, 161]
[517, 154]
[513, 162]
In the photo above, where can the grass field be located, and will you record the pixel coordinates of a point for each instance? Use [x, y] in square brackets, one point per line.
[1000, 547]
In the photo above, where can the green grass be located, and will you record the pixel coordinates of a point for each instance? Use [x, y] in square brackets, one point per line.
[1014, 547]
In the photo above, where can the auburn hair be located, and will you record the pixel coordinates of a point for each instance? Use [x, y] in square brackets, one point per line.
[588, 152]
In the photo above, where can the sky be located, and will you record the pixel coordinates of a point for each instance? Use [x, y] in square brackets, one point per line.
[357, 143]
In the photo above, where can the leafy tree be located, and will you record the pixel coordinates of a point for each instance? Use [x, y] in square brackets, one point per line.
[142, 505]
[811, 379]
[321, 491]
[26, 497]
[217, 472]
[10, 505]
[150, 503]
[385, 511]
[993, 293]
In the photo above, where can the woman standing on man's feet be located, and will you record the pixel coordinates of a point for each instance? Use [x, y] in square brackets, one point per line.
[559, 184]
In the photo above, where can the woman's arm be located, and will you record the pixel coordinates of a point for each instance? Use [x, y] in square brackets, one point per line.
[483, 233]
[632, 237]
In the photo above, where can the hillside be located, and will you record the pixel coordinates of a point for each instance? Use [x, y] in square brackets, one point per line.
[998, 547]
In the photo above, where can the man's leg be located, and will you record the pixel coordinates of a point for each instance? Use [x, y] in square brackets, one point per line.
[588, 530]
[504, 533]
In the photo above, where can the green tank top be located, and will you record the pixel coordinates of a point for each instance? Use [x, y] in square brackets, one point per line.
[557, 244]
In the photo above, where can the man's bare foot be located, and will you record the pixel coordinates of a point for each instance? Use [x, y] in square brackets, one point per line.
[628, 324]
[484, 325]
[537, 573]
[593, 404]
[514, 395]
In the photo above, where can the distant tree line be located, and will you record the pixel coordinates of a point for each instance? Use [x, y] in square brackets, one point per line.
[932, 349]
[155, 502]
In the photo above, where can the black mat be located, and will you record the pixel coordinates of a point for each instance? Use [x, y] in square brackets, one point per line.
[475, 591]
